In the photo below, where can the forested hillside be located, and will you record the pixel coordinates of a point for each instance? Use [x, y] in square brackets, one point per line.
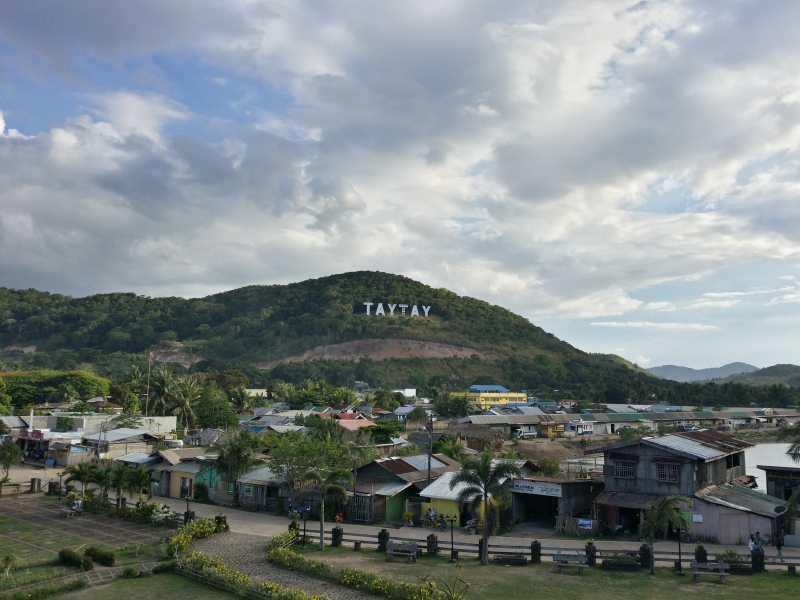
[306, 330]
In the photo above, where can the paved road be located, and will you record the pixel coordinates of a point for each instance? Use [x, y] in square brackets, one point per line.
[268, 525]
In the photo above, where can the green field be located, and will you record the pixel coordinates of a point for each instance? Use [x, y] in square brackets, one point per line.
[493, 582]
[165, 585]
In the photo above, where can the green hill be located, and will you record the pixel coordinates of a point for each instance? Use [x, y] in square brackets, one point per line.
[318, 329]
[788, 375]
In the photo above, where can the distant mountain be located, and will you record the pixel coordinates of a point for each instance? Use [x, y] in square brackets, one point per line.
[688, 375]
[774, 375]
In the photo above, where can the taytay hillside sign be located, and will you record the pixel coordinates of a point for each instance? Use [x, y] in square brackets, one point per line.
[391, 309]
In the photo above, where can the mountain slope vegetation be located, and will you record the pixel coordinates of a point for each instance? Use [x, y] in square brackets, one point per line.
[316, 329]
[687, 374]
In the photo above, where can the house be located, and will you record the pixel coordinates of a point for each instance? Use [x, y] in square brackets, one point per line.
[203, 437]
[637, 474]
[177, 471]
[384, 485]
[444, 500]
[728, 514]
[261, 489]
[485, 396]
[354, 425]
[782, 481]
[118, 442]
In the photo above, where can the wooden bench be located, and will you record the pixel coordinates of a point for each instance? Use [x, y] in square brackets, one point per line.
[509, 558]
[715, 569]
[576, 561]
[407, 550]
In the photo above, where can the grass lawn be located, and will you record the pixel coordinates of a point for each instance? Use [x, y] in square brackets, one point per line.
[494, 582]
[165, 585]
[26, 575]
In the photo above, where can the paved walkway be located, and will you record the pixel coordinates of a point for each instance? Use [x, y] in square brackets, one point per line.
[268, 525]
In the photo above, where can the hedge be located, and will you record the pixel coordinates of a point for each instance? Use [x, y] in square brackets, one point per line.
[51, 590]
[194, 530]
[100, 555]
[355, 578]
[217, 571]
[69, 557]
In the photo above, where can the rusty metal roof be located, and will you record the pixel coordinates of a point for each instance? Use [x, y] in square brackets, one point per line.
[715, 439]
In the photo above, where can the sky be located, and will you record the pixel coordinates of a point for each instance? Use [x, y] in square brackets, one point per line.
[624, 174]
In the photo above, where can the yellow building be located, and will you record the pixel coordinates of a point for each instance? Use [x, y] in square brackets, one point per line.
[486, 396]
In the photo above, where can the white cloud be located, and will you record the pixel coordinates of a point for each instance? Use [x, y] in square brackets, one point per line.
[745, 293]
[705, 304]
[657, 325]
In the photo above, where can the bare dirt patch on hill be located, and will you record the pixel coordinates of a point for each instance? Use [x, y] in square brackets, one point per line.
[377, 349]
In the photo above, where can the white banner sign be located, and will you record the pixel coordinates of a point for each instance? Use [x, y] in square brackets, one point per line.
[538, 488]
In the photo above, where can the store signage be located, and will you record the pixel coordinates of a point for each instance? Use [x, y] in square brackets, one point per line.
[392, 309]
[537, 488]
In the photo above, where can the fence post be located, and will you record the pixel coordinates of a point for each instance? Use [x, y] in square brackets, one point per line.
[432, 543]
[337, 533]
[383, 540]
[591, 554]
[536, 552]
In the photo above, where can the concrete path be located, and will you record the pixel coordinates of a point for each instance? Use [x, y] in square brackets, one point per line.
[268, 525]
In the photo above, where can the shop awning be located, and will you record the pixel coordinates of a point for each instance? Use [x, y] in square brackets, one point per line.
[627, 500]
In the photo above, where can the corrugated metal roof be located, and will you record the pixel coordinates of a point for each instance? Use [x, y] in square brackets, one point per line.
[117, 435]
[392, 489]
[685, 445]
[741, 498]
[137, 458]
[440, 489]
[260, 475]
[715, 439]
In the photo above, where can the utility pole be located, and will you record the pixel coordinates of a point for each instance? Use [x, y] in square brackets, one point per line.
[147, 392]
[429, 429]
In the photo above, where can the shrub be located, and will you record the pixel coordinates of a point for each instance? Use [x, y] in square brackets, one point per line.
[87, 564]
[130, 572]
[284, 540]
[51, 590]
[199, 529]
[101, 555]
[700, 554]
[218, 571]
[69, 557]
[620, 562]
[383, 540]
[356, 579]
[166, 566]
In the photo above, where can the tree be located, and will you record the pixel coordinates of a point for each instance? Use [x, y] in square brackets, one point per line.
[792, 435]
[291, 455]
[162, 392]
[243, 401]
[101, 477]
[118, 479]
[187, 392]
[483, 478]
[83, 473]
[359, 452]
[450, 447]
[10, 454]
[658, 519]
[237, 455]
[330, 480]
[137, 481]
[213, 409]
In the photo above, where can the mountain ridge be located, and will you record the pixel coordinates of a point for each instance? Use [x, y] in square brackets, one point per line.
[688, 374]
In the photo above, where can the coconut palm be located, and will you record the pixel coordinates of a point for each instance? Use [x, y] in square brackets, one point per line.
[137, 481]
[658, 519]
[483, 478]
[118, 477]
[162, 391]
[330, 481]
[83, 473]
[101, 477]
[792, 435]
[453, 448]
[186, 393]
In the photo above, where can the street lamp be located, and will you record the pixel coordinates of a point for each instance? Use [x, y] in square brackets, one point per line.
[452, 520]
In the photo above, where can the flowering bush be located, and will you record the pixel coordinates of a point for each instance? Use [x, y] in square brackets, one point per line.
[218, 571]
[284, 540]
[355, 578]
[194, 530]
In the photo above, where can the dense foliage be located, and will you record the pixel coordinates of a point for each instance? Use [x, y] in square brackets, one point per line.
[33, 387]
[254, 327]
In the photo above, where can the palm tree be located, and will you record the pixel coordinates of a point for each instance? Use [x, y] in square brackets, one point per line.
[483, 478]
[243, 401]
[82, 473]
[792, 435]
[237, 455]
[659, 518]
[187, 392]
[331, 480]
[360, 452]
[138, 480]
[118, 478]
[453, 448]
[101, 477]
[162, 391]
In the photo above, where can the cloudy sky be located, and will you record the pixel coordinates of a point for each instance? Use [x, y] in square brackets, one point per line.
[625, 174]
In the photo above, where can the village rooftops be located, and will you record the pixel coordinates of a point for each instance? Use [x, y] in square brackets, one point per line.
[488, 389]
[118, 435]
[138, 458]
[355, 424]
[261, 475]
[415, 468]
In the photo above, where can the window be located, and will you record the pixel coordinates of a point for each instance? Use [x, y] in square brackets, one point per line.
[625, 469]
[668, 472]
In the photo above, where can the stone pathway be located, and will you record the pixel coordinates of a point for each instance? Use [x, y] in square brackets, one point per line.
[247, 553]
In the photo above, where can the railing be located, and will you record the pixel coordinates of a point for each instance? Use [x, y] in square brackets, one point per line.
[471, 549]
